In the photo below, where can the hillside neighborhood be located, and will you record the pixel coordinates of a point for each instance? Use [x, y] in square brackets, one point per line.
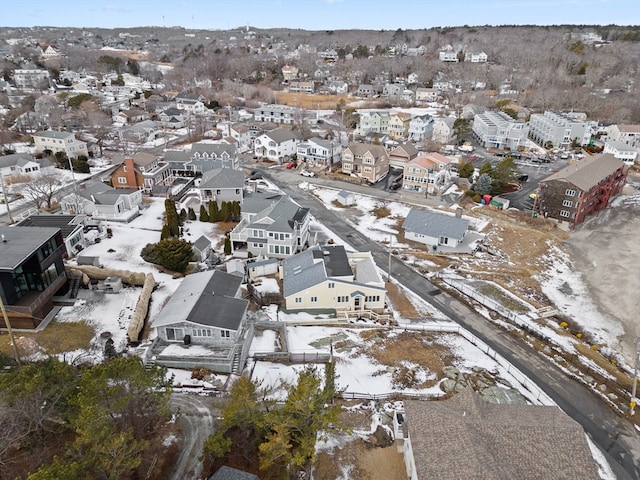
[397, 253]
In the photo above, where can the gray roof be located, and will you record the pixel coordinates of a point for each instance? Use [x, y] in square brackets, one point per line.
[206, 298]
[280, 135]
[15, 159]
[64, 222]
[435, 224]
[201, 243]
[466, 437]
[588, 172]
[377, 151]
[229, 473]
[222, 178]
[313, 266]
[621, 146]
[275, 212]
[19, 243]
[53, 134]
[217, 148]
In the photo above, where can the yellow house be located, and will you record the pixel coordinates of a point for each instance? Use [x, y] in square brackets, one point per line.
[329, 278]
[399, 125]
[425, 172]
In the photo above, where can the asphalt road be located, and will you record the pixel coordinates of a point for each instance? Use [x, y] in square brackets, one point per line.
[614, 435]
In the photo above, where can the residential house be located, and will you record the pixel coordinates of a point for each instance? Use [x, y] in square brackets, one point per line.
[374, 122]
[141, 132]
[329, 278]
[142, 171]
[420, 127]
[240, 133]
[71, 227]
[559, 129]
[31, 78]
[492, 438]
[48, 51]
[305, 87]
[173, 118]
[277, 145]
[229, 473]
[443, 130]
[192, 103]
[24, 164]
[368, 162]
[319, 152]
[496, 129]
[476, 57]
[402, 154]
[338, 87]
[448, 56]
[131, 116]
[435, 229]
[412, 78]
[621, 150]
[204, 324]
[393, 90]
[442, 85]
[399, 125]
[31, 273]
[289, 73]
[64, 142]
[366, 90]
[581, 189]
[203, 157]
[103, 202]
[221, 185]
[629, 134]
[272, 225]
[427, 95]
[280, 114]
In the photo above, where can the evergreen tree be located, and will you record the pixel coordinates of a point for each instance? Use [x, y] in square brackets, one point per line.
[466, 170]
[226, 212]
[227, 245]
[165, 232]
[172, 254]
[191, 214]
[204, 216]
[214, 213]
[236, 211]
[109, 349]
[484, 184]
[183, 216]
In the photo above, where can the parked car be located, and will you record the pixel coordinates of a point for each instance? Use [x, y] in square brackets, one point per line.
[307, 173]
[290, 165]
[256, 175]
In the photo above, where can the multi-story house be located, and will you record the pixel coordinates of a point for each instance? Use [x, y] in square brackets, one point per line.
[191, 103]
[173, 118]
[420, 127]
[375, 122]
[281, 114]
[580, 189]
[366, 90]
[558, 129]
[498, 130]
[289, 73]
[476, 57]
[142, 171]
[277, 145]
[222, 185]
[398, 127]
[272, 225]
[328, 277]
[402, 154]
[24, 164]
[240, 134]
[622, 151]
[55, 141]
[393, 90]
[427, 94]
[368, 162]
[426, 173]
[629, 134]
[319, 152]
[31, 78]
[202, 158]
[103, 202]
[304, 87]
[449, 56]
[31, 273]
[443, 130]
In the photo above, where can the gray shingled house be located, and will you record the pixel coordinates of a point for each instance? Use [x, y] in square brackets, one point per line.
[434, 229]
[467, 437]
[203, 325]
[222, 185]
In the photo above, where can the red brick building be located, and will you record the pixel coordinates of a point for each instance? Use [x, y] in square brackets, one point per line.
[581, 189]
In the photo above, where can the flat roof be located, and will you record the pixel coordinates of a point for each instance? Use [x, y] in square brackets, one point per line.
[19, 243]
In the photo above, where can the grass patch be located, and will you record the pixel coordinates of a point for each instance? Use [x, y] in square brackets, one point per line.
[401, 303]
[57, 337]
[381, 211]
[502, 298]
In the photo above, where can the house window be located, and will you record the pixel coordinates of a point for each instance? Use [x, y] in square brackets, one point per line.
[344, 299]
[444, 240]
[567, 203]
[314, 299]
[124, 168]
[218, 191]
[564, 213]
[298, 299]
[225, 333]
[237, 191]
[570, 193]
[331, 285]
[122, 180]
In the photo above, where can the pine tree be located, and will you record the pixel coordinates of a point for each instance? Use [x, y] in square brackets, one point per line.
[109, 349]
[214, 213]
[204, 216]
[227, 246]
[165, 232]
[191, 214]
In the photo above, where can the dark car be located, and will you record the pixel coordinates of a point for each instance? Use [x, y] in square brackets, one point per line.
[256, 175]
[523, 178]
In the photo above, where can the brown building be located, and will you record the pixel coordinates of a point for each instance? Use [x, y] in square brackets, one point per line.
[367, 161]
[142, 171]
[581, 189]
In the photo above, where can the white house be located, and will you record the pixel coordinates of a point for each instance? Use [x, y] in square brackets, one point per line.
[498, 130]
[443, 130]
[622, 151]
[434, 229]
[328, 277]
[103, 202]
[55, 141]
[427, 94]
[277, 145]
[319, 152]
[281, 114]
[420, 127]
[24, 164]
[476, 57]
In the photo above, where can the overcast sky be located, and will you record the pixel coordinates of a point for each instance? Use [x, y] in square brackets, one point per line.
[315, 14]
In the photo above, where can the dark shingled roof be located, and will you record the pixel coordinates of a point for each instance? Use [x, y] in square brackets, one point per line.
[466, 437]
[19, 243]
[228, 473]
[63, 222]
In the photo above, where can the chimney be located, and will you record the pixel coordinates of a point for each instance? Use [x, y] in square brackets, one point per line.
[458, 212]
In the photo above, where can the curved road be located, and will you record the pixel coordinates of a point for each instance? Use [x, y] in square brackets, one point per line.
[615, 436]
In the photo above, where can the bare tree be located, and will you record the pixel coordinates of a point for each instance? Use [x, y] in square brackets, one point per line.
[98, 122]
[39, 189]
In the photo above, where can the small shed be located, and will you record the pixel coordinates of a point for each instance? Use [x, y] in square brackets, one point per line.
[262, 268]
[111, 284]
[500, 203]
[346, 198]
[87, 260]
[236, 267]
[201, 249]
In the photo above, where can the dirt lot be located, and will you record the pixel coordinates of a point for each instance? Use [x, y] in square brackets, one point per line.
[606, 249]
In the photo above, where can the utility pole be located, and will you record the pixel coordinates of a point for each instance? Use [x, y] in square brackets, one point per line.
[636, 372]
[11, 337]
[75, 187]
[6, 199]
[389, 269]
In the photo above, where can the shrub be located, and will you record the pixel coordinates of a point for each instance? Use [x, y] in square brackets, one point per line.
[172, 254]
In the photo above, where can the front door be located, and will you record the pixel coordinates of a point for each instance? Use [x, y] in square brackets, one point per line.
[356, 303]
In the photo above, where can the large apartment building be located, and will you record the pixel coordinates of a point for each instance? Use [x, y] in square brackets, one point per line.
[559, 129]
[495, 129]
